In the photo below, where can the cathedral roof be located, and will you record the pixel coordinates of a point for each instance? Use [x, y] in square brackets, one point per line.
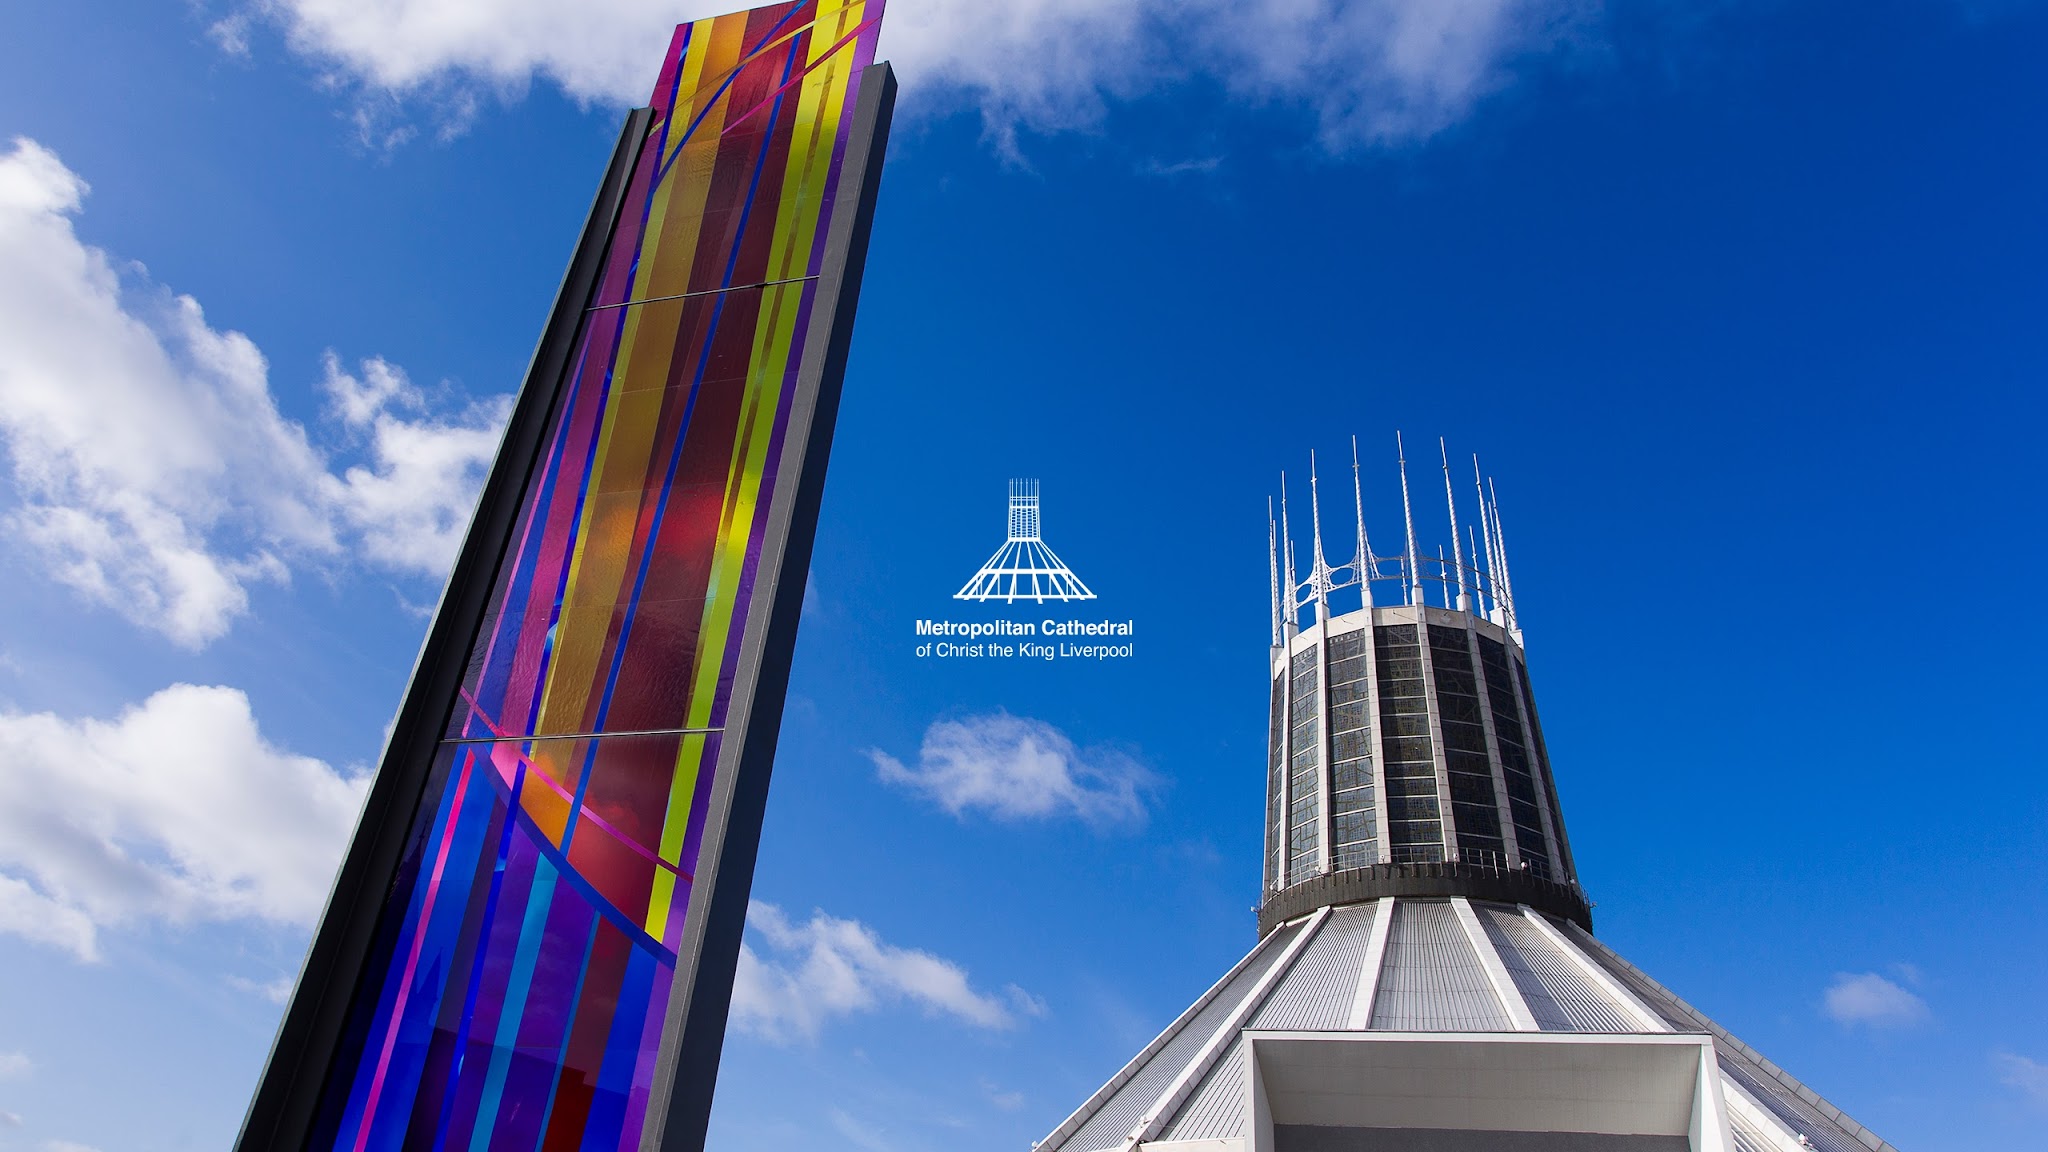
[1468, 981]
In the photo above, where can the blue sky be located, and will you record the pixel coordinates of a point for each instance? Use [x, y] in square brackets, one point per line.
[1741, 301]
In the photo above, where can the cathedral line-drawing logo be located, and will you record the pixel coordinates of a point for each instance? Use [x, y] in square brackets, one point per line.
[1024, 568]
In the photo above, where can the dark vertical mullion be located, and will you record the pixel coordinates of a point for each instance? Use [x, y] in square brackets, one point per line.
[1451, 658]
[1287, 763]
[1276, 772]
[1347, 648]
[1532, 831]
[1326, 780]
[1301, 713]
[1539, 755]
[1510, 836]
[1446, 811]
[1376, 734]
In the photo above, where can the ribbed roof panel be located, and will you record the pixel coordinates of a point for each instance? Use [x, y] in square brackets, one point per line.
[1431, 980]
[1826, 1127]
[1560, 995]
[1216, 1110]
[1113, 1120]
[1820, 1131]
[1316, 993]
[1747, 1138]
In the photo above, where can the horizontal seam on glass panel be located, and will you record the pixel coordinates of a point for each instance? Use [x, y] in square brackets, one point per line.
[584, 735]
[705, 292]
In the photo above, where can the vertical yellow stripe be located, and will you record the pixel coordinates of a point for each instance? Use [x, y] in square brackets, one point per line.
[624, 458]
[820, 99]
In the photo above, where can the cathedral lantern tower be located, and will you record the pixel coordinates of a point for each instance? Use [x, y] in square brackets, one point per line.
[1404, 753]
[1426, 978]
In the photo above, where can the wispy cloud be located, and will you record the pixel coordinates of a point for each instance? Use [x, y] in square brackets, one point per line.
[276, 991]
[1201, 166]
[67, 1146]
[231, 35]
[2029, 1076]
[15, 1064]
[1017, 768]
[176, 810]
[1367, 71]
[805, 974]
[1008, 1101]
[410, 503]
[153, 470]
[860, 1135]
[1868, 999]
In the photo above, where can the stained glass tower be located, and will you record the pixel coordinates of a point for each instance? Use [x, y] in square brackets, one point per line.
[1426, 978]
[532, 940]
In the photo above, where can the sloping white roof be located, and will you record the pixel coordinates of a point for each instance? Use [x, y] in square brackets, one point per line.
[1438, 966]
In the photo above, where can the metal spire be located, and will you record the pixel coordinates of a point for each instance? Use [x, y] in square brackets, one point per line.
[1477, 562]
[1507, 580]
[1273, 568]
[1500, 580]
[1319, 573]
[1408, 513]
[1478, 588]
[1364, 563]
[1457, 548]
[1292, 623]
[1486, 530]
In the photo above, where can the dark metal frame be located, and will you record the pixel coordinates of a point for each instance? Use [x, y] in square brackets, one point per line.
[1446, 878]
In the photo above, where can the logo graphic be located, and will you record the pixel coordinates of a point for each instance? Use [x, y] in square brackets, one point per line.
[1024, 568]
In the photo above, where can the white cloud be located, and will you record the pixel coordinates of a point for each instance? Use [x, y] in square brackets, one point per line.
[1016, 768]
[276, 991]
[178, 810]
[1369, 70]
[1008, 1101]
[29, 914]
[806, 974]
[412, 504]
[15, 1064]
[1870, 999]
[2029, 1076]
[153, 470]
[67, 1146]
[863, 1136]
[135, 436]
[10, 1119]
[231, 35]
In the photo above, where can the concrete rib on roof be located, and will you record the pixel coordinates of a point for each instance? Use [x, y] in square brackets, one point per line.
[1444, 975]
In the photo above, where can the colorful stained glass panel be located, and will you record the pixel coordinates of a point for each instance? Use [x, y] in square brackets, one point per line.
[518, 983]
